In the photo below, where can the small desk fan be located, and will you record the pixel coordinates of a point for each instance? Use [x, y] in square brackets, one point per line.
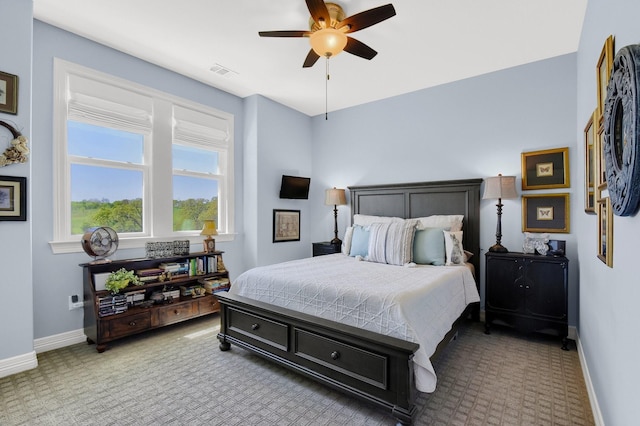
[100, 242]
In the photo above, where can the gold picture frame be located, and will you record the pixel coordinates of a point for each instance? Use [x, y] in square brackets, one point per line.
[545, 169]
[590, 165]
[605, 231]
[603, 72]
[601, 174]
[545, 213]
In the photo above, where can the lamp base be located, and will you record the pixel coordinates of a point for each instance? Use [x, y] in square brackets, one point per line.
[498, 248]
[336, 241]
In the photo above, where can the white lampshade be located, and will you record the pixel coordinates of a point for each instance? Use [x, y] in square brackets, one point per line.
[503, 187]
[335, 197]
[328, 42]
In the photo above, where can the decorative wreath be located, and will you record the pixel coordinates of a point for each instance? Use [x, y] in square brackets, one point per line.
[18, 152]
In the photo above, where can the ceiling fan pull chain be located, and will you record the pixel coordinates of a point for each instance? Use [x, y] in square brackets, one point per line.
[326, 92]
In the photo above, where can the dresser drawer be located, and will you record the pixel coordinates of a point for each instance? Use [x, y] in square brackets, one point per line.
[129, 324]
[360, 364]
[175, 312]
[207, 305]
[262, 329]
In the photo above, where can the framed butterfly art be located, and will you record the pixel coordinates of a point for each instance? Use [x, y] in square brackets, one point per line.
[545, 213]
[545, 169]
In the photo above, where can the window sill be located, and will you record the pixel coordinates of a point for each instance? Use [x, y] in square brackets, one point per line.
[62, 247]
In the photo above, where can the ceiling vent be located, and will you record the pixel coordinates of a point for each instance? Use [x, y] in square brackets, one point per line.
[223, 71]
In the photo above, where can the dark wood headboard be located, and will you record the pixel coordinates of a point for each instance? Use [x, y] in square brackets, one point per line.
[420, 199]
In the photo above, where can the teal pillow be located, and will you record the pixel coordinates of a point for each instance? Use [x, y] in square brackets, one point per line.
[360, 241]
[428, 247]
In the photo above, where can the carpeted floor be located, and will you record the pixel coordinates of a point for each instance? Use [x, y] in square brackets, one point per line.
[178, 376]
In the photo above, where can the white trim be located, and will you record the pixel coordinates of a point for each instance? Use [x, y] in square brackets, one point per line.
[18, 364]
[58, 341]
[593, 398]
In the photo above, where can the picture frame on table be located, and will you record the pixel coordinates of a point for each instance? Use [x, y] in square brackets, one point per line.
[13, 198]
[590, 166]
[603, 72]
[545, 213]
[545, 169]
[286, 225]
[8, 93]
[605, 231]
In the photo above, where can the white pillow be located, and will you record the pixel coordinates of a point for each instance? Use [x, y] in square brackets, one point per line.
[453, 248]
[452, 222]
[346, 243]
[366, 220]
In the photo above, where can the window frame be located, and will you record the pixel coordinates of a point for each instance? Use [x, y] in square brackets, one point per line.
[158, 168]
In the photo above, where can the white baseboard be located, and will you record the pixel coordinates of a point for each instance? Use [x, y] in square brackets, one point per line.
[58, 341]
[593, 399]
[18, 364]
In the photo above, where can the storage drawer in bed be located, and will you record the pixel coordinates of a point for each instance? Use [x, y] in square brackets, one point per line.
[265, 330]
[352, 361]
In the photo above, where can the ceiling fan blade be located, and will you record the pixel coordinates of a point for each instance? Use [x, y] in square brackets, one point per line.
[367, 18]
[286, 33]
[319, 11]
[358, 48]
[311, 59]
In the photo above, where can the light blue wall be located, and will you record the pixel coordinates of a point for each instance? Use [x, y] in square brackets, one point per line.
[16, 290]
[279, 142]
[608, 296]
[51, 290]
[472, 128]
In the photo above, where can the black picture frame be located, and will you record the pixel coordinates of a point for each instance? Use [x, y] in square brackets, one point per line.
[545, 169]
[8, 93]
[286, 225]
[545, 213]
[13, 198]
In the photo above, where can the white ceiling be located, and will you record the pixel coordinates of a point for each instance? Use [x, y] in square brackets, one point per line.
[427, 43]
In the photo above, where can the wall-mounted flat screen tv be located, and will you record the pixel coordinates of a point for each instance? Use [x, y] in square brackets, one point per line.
[295, 187]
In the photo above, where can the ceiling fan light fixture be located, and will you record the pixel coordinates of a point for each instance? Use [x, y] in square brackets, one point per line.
[328, 42]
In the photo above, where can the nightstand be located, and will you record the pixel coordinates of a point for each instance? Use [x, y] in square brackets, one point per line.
[326, 247]
[528, 292]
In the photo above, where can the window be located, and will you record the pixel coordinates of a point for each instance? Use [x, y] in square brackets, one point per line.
[147, 164]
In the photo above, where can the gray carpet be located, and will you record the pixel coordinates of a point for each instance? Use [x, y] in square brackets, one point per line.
[177, 376]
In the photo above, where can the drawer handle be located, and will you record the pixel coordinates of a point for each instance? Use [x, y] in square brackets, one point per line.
[335, 355]
[177, 312]
[255, 326]
[132, 323]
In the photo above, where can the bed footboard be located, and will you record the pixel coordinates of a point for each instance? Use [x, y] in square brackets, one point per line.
[373, 367]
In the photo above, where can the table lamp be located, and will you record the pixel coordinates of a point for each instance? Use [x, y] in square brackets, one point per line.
[499, 187]
[209, 229]
[335, 197]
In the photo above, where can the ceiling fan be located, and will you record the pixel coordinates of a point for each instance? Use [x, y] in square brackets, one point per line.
[329, 28]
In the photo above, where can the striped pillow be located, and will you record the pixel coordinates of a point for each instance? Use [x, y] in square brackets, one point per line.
[391, 243]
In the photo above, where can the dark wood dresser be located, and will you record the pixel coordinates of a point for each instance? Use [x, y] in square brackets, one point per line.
[528, 292]
[326, 247]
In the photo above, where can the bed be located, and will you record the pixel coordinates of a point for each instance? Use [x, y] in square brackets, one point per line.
[383, 359]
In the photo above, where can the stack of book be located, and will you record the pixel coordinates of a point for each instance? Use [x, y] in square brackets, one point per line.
[111, 305]
[214, 285]
[149, 275]
[175, 269]
[134, 296]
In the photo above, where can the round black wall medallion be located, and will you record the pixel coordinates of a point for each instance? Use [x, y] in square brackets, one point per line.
[622, 132]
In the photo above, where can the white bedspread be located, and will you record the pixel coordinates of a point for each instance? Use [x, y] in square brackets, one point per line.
[417, 304]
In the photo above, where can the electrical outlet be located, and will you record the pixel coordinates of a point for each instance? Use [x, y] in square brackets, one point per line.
[75, 302]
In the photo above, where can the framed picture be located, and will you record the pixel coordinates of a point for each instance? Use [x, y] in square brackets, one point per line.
[13, 198]
[601, 174]
[545, 213]
[590, 166]
[8, 93]
[605, 231]
[603, 72]
[286, 225]
[545, 169]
